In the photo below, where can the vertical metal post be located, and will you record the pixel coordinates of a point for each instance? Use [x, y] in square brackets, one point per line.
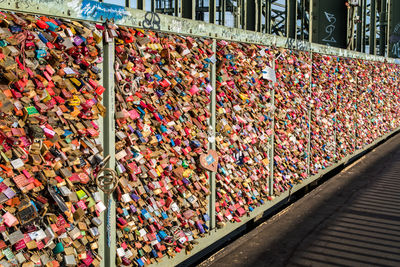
[303, 18]
[102, 227]
[141, 4]
[128, 3]
[212, 11]
[109, 148]
[382, 26]
[189, 9]
[177, 12]
[258, 15]
[372, 29]
[243, 14]
[356, 110]
[310, 20]
[153, 5]
[335, 123]
[268, 18]
[251, 15]
[359, 27]
[350, 29]
[364, 26]
[213, 189]
[272, 141]
[291, 15]
[388, 19]
[223, 6]
[237, 14]
[309, 119]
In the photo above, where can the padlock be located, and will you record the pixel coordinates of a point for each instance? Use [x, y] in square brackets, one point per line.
[324, 90]
[46, 155]
[291, 126]
[149, 144]
[244, 116]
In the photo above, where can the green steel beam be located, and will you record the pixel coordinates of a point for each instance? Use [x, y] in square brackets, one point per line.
[189, 9]
[360, 30]
[291, 15]
[251, 15]
[243, 14]
[310, 20]
[223, 4]
[394, 30]
[212, 11]
[372, 28]
[303, 17]
[328, 19]
[388, 25]
[364, 27]
[382, 28]
[259, 7]
[268, 17]
[141, 4]
[177, 12]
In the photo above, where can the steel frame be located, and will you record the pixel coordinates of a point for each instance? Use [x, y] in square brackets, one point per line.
[134, 18]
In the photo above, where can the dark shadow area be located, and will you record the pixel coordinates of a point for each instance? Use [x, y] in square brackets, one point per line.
[353, 219]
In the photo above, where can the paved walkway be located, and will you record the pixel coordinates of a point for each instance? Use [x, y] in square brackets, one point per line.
[353, 219]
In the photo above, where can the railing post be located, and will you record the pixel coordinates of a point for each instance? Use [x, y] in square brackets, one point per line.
[212, 145]
[272, 140]
[102, 227]
[309, 118]
[335, 124]
[356, 108]
[109, 149]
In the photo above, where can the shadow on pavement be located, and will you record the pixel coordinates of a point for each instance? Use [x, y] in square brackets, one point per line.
[353, 219]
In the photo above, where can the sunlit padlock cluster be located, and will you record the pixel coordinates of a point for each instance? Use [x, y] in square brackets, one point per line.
[365, 104]
[50, 100]
[324, 88]
[388, 98]
[346, 108]
[292, 99]
[244, 128]
[162, 111]
[385, 103]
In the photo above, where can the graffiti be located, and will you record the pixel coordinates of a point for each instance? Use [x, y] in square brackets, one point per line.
[151, 21]
[330, 28]
[396, 49]
[96, 10]
[394, 40]
[298, 44]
